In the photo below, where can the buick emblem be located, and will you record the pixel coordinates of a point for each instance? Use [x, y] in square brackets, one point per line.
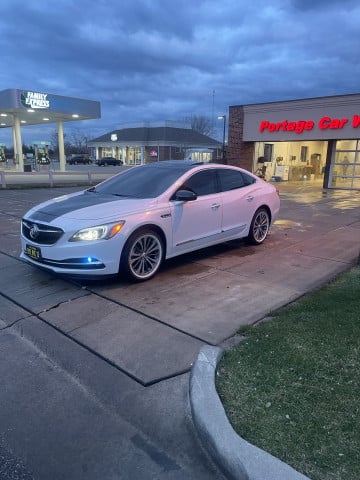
[34, 231]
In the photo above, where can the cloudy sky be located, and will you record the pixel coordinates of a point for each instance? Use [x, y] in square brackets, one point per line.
[150, 60]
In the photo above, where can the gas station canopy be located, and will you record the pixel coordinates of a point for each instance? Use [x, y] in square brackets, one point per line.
[34, 108]
[26, 107]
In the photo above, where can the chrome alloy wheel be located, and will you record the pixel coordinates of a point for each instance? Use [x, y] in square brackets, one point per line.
[144, 255]
[259, 226]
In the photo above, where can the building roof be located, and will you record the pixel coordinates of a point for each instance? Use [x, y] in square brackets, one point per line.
[156, 135]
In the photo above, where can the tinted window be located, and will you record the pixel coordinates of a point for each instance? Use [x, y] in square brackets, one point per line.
[248, 179]
[232, 179]
[141, 182]
[202, 183]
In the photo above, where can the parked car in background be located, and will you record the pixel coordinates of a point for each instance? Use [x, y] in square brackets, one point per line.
[79, 159]
[104, 161]
[133, 221]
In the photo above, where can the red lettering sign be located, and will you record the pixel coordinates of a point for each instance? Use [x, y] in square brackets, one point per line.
[332, 123]
[356, 121]
[301, 125]
[286, 126]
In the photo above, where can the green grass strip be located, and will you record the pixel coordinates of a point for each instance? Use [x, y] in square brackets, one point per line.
[292, 386]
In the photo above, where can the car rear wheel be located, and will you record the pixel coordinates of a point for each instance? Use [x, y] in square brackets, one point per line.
[142, 255]
[259, 227]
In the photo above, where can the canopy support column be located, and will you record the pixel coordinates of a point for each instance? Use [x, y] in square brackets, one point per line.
[62, 159]
[18, 144]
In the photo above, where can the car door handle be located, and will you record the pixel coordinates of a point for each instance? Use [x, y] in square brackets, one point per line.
[249, 199]
[214, 206]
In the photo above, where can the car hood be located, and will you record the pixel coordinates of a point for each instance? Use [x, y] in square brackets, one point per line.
[86, 205]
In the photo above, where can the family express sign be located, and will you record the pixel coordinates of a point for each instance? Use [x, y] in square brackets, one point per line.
[34, 100]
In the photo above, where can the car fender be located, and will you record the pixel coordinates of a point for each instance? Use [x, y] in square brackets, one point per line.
[157, 219]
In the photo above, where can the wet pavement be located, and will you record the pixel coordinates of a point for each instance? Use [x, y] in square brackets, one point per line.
[81, 355]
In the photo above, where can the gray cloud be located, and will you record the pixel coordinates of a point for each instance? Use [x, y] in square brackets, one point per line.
[155, 59]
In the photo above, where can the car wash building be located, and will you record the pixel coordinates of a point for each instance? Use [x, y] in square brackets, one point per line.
[315, 139]
[19, 108]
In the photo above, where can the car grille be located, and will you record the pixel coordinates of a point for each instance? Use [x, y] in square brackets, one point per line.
[39, 233]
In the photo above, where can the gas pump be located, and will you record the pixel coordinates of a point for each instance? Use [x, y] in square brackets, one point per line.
[41, 152]
[2, 153]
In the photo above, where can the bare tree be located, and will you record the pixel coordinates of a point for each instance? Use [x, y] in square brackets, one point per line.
[75, 142]
[79, 140]
[54, 139]
[200, 124]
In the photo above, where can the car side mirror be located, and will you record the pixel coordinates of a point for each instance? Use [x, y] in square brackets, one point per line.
[185, 196]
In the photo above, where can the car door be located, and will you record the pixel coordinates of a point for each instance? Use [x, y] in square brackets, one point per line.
[197, 224]
[239, 201]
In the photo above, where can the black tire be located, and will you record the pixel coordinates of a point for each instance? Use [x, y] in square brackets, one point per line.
[142, 255]
[259, 227]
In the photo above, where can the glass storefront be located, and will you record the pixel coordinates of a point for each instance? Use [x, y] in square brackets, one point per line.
[293, 161]
[133, 156]
[345, 168]
[128, 155]
[199, 155]
[108, 152]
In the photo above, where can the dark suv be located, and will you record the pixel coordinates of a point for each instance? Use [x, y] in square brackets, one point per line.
[78, 159]
[102, 162]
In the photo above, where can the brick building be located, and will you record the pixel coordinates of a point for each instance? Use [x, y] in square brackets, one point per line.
[316, 139]
[137, 144]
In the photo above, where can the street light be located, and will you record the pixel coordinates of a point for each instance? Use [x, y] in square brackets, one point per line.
[223, 117]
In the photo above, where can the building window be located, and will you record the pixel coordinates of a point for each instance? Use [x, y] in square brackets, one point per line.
[345, 171]
[268, 152]
[134, 156]
[303, 154]
[201, 156]
[107, 152]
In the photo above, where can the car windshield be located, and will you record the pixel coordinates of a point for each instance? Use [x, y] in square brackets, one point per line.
[141, 182]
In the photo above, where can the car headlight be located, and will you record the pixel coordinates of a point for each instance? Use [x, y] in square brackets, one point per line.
[100, 232]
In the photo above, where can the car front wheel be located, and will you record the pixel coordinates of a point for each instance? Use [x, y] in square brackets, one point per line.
[142, 255]
[259, 227]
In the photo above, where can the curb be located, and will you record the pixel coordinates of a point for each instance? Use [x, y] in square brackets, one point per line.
[238, 459]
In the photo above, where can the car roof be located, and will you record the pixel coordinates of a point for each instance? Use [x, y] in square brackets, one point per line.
[184, 165]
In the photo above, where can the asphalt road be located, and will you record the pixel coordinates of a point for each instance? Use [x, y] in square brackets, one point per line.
[95, 374]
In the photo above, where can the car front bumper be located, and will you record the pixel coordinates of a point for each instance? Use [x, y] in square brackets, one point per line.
[75, 258]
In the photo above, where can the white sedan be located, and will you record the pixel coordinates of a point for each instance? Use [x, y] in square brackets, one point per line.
[135, 220]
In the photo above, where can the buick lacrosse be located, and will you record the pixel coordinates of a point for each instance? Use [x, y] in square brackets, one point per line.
[135, 220]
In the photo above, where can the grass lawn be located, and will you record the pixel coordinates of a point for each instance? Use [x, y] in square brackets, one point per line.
[292, 386]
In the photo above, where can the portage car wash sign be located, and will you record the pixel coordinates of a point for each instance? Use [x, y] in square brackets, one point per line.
[299, 126]
[319, 119]
[34, 100]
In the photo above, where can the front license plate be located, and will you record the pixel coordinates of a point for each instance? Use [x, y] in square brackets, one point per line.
[33, 252]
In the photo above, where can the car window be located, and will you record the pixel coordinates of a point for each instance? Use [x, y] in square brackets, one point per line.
[202, 183]
[248, 179]
[141, 182]
[233, 179]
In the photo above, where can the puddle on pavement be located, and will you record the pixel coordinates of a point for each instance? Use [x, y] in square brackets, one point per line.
[287, 224]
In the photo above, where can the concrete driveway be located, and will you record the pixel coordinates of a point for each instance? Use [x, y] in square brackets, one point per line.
[143, 338]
